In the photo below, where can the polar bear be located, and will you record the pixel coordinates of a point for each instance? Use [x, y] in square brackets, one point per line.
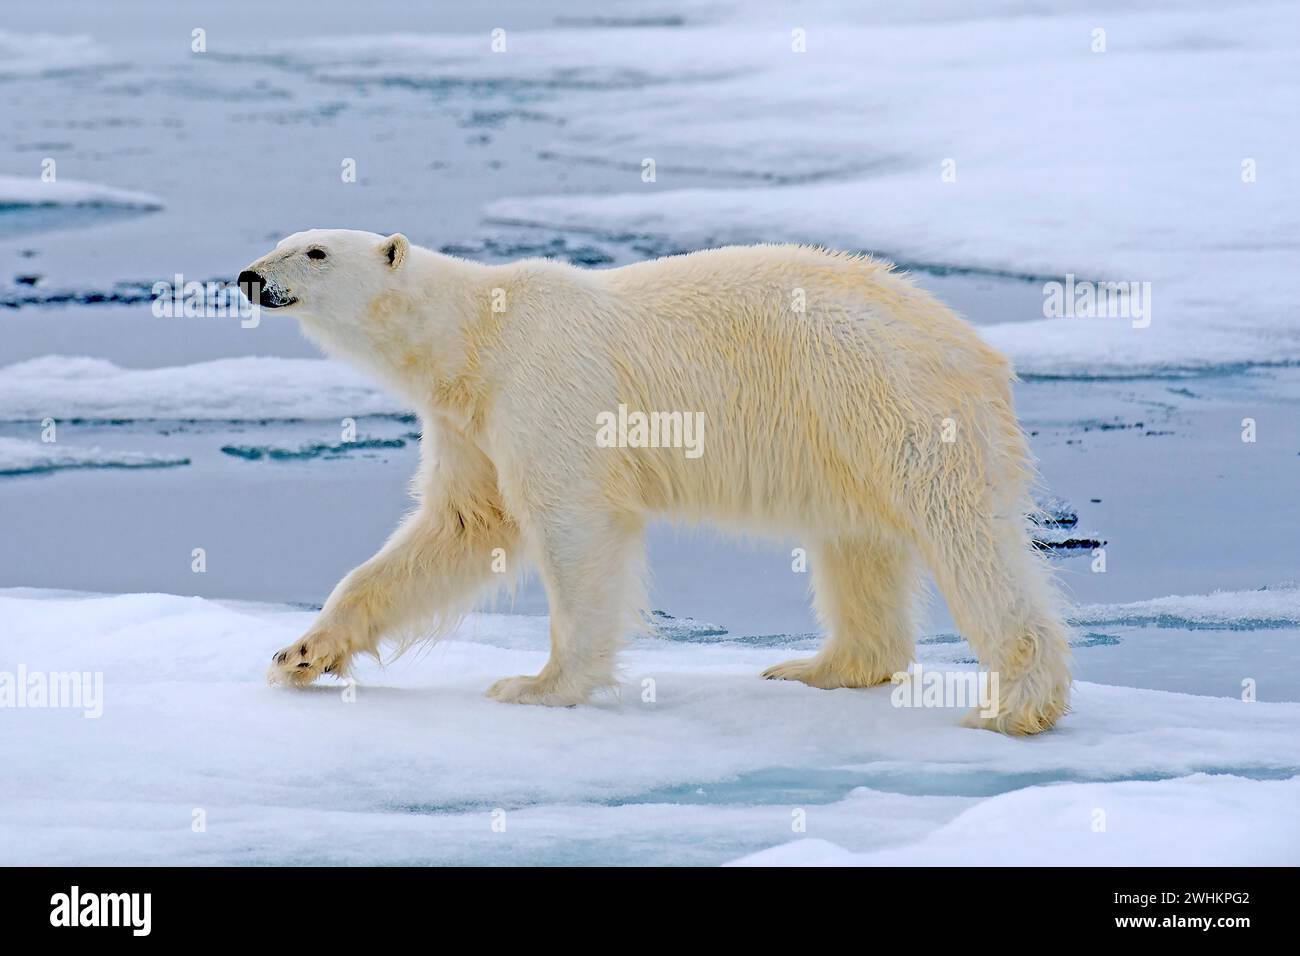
[840, 405]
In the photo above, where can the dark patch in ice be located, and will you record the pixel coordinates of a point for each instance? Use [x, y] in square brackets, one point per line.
[1141, 373]
[503, 249]
[1090, 639]
[8, 206]
[43, 147]
[775, 640]
[1055, 522]
[1067, 544]
[127, 292]
[495, 119]
[526, 89]
[307, 452]
[1054, 513]
[259, 91]
[683, 628]
[942, 639]
[720, 170]
[1110, 426]
[67, 71]
[1095, 639]
[51, 467]
[1179, 622]
[404, 418]
[324, 112]
[653, 245]
[690, 631]
[596, 20]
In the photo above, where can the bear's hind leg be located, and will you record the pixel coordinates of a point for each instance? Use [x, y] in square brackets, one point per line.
[1003, 600]
[865, 593]
[592, 566]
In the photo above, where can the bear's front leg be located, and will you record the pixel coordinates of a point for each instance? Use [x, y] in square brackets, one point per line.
[322, 650]
[350, 623]
[592, 567]
[428, 573]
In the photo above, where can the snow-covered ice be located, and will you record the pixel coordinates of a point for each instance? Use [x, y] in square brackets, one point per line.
[1027, 113]
[26, 191]
[235, 389]
[979, 121]
[20, 457]
[42, 54]
[713, 765]
[1224, 820]
[1239, 610]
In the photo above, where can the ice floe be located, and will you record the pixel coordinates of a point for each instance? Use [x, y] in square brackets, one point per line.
[695, 759]
[945, 146]
[1232, 822]
[29, 192]
[38, 54]
[1238, 610]
[22, 457]
[310, 451]
[233, 389]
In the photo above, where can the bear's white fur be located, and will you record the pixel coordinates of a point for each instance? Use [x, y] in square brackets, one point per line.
[843, 406]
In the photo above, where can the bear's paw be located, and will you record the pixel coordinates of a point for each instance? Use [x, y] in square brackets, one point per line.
[526, 689]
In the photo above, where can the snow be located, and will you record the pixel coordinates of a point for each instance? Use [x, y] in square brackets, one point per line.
[713, 766]
[36, 54]
[234, 389]
[1266, 607]
[20, 457]
[23, 192]
[1060, 168]
[1236, 822]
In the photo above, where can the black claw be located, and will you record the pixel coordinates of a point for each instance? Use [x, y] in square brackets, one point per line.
[304, 664]
[303, 650]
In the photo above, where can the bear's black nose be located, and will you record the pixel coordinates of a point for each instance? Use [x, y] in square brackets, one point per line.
[251, 284]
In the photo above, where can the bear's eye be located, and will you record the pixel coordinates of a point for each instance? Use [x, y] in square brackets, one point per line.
[315, 253]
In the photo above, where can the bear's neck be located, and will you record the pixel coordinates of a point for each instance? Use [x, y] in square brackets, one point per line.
[425, 337]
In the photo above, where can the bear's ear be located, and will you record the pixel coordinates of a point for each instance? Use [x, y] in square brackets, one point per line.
[394, 249]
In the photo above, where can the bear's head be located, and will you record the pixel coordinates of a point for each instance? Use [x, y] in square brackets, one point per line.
[394, 309]
[325, 272]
